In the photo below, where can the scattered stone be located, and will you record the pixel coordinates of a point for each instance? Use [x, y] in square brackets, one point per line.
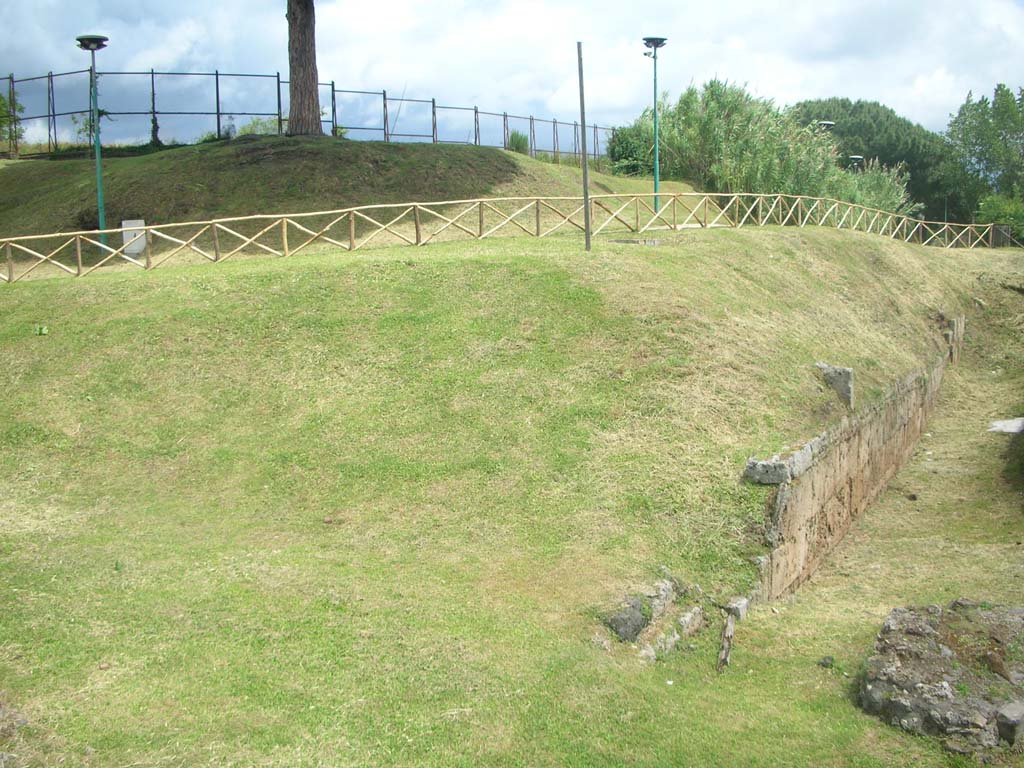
[601, 641]
[773, 471]
[839, 379]
[629, 621]
[725, 651]
[912, 497]
[826, 662]
[691, 621]
[1010, 722]
[738, 607]
[1008, 426]
[943, 672]
[661, 596]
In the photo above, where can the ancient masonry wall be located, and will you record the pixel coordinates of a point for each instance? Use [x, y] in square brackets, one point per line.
[823, 487]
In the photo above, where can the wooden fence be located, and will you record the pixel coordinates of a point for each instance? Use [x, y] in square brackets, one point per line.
[417, 224]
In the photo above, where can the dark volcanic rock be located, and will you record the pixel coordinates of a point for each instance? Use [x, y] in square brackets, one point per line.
[955, 673]
[628, 622]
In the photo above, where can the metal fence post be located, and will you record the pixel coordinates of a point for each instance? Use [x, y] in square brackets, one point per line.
[51, 114]
[554, 140]
[280, 117]
[433, 120]
[154, 126]
[387, 128]
[575, 140]
[12, 108]
[476, 126]
[216, 91]
[504, 127]
[334, 111]
[533, 138]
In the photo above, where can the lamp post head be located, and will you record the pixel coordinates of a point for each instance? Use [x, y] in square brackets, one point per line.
[92, 42]
[826, 125]
[654, 42]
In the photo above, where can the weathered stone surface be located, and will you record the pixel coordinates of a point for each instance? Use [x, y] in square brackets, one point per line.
[768, 472]
[738, 607]
[691, 621]
[823, 486]
[661, 596]
[839, 379]
[629, 621]
[1010, 721]
[930, 674]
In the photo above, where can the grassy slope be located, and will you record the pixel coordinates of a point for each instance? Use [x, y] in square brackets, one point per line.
[274, 175]
[362, 510]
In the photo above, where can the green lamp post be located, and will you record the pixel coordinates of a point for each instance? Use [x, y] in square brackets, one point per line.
[654, 43]
[93, 43]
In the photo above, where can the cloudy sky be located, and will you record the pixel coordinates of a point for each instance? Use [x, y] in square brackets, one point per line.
[921, 58]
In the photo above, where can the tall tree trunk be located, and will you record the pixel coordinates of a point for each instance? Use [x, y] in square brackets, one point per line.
[303, 90]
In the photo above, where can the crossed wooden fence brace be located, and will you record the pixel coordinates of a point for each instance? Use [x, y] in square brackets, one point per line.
[417, 224]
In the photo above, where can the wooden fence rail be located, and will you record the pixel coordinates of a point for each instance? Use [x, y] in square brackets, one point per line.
[418, 224]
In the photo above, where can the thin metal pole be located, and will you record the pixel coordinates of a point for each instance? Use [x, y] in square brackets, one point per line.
[216, 91]
[96, 146]
[334, 111]
[12, 108]
[154, 126]
[280, 117]
[433, 119]
[51, 115]
[387, 129]
[583, 137]
[504, 127]
[533, 138]
[476, 126]
[656, 163]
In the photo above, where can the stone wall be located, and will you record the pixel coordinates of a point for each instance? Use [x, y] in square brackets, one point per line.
[825, 485]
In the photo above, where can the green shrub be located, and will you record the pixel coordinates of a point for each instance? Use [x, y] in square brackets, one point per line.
[1003, 209]
[519, 142]
[630, 149]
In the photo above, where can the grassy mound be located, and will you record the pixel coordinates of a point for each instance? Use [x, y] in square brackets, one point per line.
[274, 175]
[364, 509]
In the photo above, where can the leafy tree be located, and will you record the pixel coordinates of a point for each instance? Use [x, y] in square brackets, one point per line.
[10, 129]
[1001, 209]
[987, 139]
[630, 149]
[726, 140]
[874, 131]
[303, 80]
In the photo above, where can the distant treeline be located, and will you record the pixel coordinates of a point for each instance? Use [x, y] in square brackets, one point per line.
[726, 140]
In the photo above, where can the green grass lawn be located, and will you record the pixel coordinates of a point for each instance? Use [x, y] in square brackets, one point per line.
[364, 509]
[275, 175]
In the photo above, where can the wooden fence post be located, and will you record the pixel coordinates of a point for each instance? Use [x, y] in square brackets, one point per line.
[480, 212]
[636, 214]
[149, 249]
[351, 230]
[416, 219]
[10, 264]
[216, 244]
[78, 254]
[284, 236]
[537, 210]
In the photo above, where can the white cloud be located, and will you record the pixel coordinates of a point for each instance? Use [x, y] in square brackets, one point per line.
[920, 58]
